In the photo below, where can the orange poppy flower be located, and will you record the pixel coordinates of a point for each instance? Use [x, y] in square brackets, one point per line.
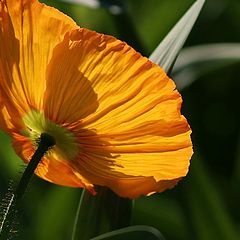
[115, 115]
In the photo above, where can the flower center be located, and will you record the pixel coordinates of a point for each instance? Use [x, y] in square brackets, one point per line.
[66, 147]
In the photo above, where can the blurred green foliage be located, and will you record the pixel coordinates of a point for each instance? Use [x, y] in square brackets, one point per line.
[205, 204]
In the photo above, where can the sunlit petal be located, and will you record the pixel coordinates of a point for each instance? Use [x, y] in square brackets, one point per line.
[114, 115]
[29, 32]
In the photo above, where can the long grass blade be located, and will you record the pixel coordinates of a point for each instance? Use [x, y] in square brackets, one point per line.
[198, 60]
[167, 51]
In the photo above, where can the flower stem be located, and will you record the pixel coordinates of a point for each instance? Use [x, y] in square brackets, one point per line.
[104, 212]
[45, 143]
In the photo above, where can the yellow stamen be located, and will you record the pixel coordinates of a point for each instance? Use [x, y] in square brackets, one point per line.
[36, 123]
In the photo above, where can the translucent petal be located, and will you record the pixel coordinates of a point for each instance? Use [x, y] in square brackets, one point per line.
[123, 109]
[132, 127]
[29, 31]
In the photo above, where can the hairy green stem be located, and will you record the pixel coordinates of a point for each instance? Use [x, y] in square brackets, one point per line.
[45, 143]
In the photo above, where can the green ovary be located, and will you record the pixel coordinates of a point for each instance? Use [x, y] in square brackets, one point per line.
[36, 123]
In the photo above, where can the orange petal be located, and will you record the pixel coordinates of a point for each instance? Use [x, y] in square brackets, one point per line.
[126, 113]
[121, 184]
[51, 169]
[69, 96]
[29, 31]
[123, 109]
[10, 120]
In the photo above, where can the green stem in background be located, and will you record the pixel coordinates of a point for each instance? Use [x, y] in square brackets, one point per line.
[45, 143]
[100, 214]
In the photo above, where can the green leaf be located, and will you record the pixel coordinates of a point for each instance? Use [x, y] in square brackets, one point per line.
[198, 60]
[166, 52]
[132, 233]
